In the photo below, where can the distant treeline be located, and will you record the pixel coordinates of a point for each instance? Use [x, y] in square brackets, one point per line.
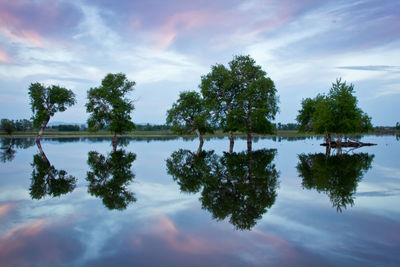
[24, 125]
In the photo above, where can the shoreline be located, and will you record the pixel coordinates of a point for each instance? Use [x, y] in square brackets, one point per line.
[156, 134]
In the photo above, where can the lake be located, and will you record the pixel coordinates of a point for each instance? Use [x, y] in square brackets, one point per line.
[160, 203]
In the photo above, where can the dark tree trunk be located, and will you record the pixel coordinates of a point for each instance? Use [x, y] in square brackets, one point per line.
[249, 142]
[231, 142]
[115, 142]
[249, 128]
[201, 142]
[39, 136]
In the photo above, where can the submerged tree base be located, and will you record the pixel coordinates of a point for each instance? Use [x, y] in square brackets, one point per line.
[355, 144]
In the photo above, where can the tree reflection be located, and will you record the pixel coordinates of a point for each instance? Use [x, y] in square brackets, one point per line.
[109, 177]
[238, 186]
[7, 152]
[8, 145]
[189, 169]
[337, 176]
[47, 180]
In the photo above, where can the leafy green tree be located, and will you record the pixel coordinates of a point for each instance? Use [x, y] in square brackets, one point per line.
[189, 115]
[109, 177]
[337, 112]
[219, 92]
[337, 176]
[46, 101]
[47, 180]
[109, 106]
[7, 126]
[241, 98]
[256, 100]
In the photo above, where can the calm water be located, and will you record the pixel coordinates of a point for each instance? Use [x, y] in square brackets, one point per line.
[157, 203]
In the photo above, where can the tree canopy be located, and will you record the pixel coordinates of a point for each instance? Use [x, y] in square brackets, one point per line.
[336, 112]
[7, 126]
[189, 114]
[109, 106]
[46, 101]
[241, 97]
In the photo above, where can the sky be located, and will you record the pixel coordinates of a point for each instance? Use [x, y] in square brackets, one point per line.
[166, 46]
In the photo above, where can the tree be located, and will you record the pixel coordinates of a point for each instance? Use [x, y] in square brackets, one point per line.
[46, 101]
[337, 176]
[219, 92]
[109, 107]
[241, 98]
[189, 115]
[256, 100]
[337, 112]
[7, 126]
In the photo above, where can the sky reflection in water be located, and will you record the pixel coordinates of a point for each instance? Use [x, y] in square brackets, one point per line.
[294, 218]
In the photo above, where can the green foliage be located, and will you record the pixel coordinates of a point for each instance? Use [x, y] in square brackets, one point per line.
[47, 180]
[241, 98]
[218, 90]
[337, 176]
[256, 100]
[7, 126]
[189, 114]
[46, 101]
[336, 112]
[109, 177]
[67, 128]
[108, 105]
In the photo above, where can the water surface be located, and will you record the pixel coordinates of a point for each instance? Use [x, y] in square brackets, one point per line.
[157, 203]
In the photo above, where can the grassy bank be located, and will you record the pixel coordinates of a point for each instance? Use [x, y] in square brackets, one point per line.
[169, 134]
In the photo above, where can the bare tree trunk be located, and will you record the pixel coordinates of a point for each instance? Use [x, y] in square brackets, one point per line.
[231, 142]
[328, 140]
[339, 144]
[327, 151]
[249, 128]
[201, 142]
[115, 142]
[39, 136]
[249, 142]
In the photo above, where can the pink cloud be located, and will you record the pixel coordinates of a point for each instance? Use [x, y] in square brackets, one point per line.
[30, 229]
[181, 22]
[25, 36]
[4, 208]
[181, 243]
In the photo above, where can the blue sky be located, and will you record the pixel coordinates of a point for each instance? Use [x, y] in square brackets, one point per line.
[166, 46]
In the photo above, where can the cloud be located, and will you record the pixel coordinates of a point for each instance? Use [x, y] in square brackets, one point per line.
[4, 58]
[372, 68]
